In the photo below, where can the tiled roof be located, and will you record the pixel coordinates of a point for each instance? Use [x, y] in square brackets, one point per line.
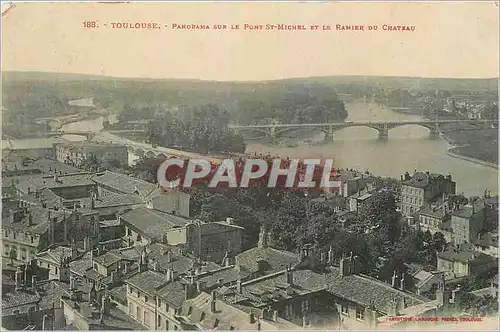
[81, 265]
[123, 183]
[51, 293]
[466, 211]
[153, 224]
[464, 256]
[55, 254]
[173, 293]
[198, 312]
[39, 218]
[18, 298]
[275, 259]
[113, 199]
[365, 291]
[149, 281]
[422, 180]
[50, 166]
[439, 213]
[227, 274]
[489, 239]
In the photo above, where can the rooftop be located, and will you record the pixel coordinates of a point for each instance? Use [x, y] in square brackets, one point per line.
[422, 180]
[18, 298]
[198, 312]
[274, 259]
[124, 183]
[365, 291]
[88, 147]
[435, 212]
[149, 281]
[152, 224]
[18, 218]
[465, 255]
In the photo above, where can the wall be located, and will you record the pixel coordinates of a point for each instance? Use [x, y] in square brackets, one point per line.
[73, 317]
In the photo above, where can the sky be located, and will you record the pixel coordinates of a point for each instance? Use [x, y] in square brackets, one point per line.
[451, 39]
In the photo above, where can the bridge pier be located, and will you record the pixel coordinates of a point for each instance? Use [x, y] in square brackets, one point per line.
[329, 134]
[434, 131]
[383, 133]
[272, 132]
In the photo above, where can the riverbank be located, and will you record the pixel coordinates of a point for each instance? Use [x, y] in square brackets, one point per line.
[472, 160]
[476, 145]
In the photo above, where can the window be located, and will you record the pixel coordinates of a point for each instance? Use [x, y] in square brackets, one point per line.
[159, 303]
[138, 313]
[14, 235]
[159, 321]
[145, 299]
[202, 316]
[305, 306]
[16, 312]
[360, 314]
[216, 323]
[175, 327]
[345, 309]
[57, 270]
[166, 307]
[138, 294]
[146, 318]
[190, 310]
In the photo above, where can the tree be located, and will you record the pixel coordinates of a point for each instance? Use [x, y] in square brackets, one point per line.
[438, 242]
[380, 210]
[217, 207]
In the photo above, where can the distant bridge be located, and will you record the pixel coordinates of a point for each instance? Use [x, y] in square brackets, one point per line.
[383, 127]
[88, 134]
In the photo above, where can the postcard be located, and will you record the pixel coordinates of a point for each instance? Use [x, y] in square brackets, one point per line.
[250, 165]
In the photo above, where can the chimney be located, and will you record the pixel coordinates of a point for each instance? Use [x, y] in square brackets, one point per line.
[114, 278]
[30, 219]
[289, 275]
[356, 265]
[169, 256]
[105, 304]
[220, 281]
[238, 285]
[322, 258]
[345, 267]
[86, 244]
[275, 315]
[33, 283]
[200, 286]
[262, 237]
[330, 256]
[170, 274]
[394, 277]
[92, 258]
[19, 277]
[72, 286]
[402, 283]
[155, 265]
[213, 302]
[125, 268]
[229, 220]
[252, 318]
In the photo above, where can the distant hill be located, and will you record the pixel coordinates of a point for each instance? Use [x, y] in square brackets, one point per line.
[387, 82]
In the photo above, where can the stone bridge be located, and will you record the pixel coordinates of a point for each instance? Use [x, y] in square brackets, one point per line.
[88, 134]
[383, 127]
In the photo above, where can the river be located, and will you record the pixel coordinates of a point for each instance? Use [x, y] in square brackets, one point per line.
[408, 148]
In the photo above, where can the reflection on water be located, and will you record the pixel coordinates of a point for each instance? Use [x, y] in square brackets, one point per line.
[407, 149]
